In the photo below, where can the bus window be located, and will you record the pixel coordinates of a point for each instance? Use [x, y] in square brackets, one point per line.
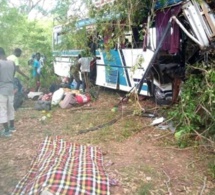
[57, 36]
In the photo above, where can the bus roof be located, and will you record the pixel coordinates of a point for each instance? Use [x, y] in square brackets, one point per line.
[91, 21]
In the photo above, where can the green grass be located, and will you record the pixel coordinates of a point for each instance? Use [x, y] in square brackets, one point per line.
[211, 168]
[141, 178]
[144, 189]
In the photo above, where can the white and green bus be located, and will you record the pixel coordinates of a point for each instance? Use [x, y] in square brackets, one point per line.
[151, 66]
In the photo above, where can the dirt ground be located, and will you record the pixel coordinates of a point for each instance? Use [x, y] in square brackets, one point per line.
[139, 159]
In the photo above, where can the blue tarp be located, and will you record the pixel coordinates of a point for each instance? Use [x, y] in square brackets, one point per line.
[160, 3]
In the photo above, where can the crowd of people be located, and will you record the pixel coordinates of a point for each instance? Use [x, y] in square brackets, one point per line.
[9, 67]
[82, 71]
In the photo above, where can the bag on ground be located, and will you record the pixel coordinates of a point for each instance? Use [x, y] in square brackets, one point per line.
[68, 101]
[57, 96]
[42, 105]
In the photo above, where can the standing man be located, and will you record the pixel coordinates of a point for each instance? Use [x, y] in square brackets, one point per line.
[15, 58]
[74, 70]
[84, 64]
[37, 70]
[7, 71]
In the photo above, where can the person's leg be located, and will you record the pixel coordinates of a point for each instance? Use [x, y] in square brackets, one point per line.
[35, 80]
[4, 114]
[78, 81]
[6, 132]
[87, 82]
[37, 83]
[71, 78]
[6, 127]
[11, 113]
[83, 80]
[92, 74]
[12, 124]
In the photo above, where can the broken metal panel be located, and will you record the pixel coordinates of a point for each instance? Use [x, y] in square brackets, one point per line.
[188, 33]
[196, 22]
[208, 18]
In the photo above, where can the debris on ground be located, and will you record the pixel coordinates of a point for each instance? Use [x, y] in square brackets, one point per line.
[157, 121]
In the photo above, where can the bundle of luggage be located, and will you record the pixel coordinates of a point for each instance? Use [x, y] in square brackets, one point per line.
[42, 105]
[64, 97]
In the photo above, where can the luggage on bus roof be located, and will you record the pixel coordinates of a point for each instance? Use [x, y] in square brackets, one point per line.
[162, 4]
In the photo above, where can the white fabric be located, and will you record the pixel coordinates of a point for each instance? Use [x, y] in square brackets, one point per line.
[62, 67]
[45, 192]
[57, 96]
[6, 108]
[85, 63]
[32, 94]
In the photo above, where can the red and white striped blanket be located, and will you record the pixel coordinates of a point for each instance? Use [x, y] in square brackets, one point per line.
[63, 168]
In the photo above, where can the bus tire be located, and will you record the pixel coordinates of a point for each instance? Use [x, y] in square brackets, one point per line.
[159, 97]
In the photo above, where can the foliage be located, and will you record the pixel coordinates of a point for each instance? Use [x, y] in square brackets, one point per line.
[196, 110]
[37, 37]
[73, 39]
[212, 168]
[31, 36]
[134, 11]
[61, 8]
[11, 22]
[111, 20]
[32, 8]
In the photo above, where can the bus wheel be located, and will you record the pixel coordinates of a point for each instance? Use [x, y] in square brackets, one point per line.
[160, 97]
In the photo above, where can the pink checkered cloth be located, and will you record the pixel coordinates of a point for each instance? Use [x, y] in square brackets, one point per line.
[62, 168]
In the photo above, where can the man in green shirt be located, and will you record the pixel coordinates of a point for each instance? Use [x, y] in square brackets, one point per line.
[15, 58]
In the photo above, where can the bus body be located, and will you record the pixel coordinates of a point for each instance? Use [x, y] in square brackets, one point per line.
[149, 69]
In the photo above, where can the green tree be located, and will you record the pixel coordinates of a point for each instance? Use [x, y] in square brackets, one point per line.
[11, 22]
[31, 36]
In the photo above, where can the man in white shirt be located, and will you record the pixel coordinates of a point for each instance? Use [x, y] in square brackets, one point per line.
[84, 63]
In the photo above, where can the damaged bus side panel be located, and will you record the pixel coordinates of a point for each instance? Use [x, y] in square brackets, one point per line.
[183, 32]
[188, 37]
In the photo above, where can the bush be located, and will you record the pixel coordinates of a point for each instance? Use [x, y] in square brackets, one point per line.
[195, 112]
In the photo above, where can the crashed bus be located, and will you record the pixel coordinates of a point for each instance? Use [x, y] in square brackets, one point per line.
[182, 33]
